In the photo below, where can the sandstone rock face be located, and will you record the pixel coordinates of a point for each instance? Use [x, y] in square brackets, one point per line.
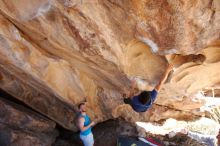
[54, 52]
[20, 126]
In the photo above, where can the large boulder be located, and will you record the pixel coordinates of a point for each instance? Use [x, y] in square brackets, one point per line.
[61, 50]
[21, 126]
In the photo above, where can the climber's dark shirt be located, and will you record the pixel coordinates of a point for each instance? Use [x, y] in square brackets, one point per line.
[139, 107]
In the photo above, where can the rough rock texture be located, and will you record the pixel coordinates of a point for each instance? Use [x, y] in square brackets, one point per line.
[41, 99]
[54, 52]
[178, 140]
[20, 126]
[107, 133]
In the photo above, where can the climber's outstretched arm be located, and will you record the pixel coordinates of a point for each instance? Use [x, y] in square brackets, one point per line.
[163, 79]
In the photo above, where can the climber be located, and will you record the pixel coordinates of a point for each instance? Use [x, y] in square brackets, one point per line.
[143, 101]
[85, 125]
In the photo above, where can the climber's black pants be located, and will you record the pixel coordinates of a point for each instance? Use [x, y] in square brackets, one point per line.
[127, 101]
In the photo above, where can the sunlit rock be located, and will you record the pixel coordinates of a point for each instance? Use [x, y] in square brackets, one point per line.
[55, 53]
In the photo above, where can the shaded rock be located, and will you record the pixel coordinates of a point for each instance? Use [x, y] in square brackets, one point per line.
[20, 126]
[16, 116]
[105, 133]
[14, 137]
